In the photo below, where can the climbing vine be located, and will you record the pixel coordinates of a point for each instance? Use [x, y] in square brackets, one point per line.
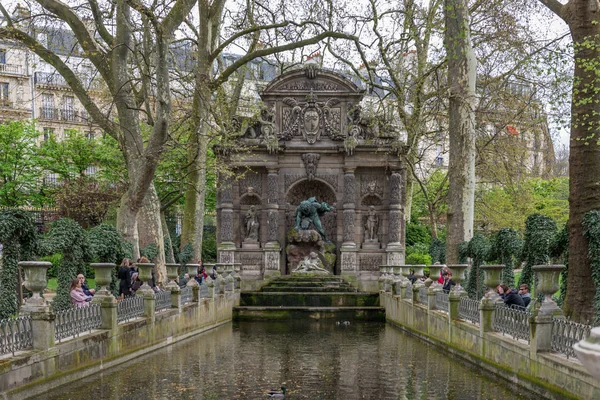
[559, 250]
[437, 250]
[507, 246]
[539, 232]
[18, 236]
[105, 246]
[591, 230]
[478, 249]
[67, 237]
[463, 252]
[150, 251]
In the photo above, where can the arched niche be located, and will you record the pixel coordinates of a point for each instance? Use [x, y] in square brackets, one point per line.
[305, 189]
[250, 200]
[371, 200]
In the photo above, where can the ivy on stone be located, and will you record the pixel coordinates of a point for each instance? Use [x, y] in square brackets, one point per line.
[463, 252]
[539, 232]
[507, 247]
[150, 251]
[19, 239]
[106, 246]
[437, 250]
[67, 237]
[478, 250]
[559, 251]
[591, 230]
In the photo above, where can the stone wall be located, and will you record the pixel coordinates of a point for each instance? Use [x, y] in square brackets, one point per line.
[31, 373]
[548, 374]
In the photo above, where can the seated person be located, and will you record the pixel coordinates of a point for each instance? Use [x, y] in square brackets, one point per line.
[524, 293]
[448, 282]
[411, 277]
[184, 280]
[84, 286]
[78, 298]
[510, 296]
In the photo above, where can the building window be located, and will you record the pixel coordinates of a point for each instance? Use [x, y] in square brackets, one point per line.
[2, 56]
[68, 108]
[47, 111]
[4, 101]
[91, 171]
[48, 132]
[90, 135]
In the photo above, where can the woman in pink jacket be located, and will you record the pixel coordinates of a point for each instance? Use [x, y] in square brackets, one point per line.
[79, 298]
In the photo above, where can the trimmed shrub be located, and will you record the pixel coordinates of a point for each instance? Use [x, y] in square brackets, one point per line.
[539, 232]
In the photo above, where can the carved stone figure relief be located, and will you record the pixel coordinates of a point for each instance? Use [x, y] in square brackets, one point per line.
[272, 260]
[251, 224]
[251, 183]
[349, 187]
[348, 261]
[272, 226]
[371, 185]
[310, 118]
[311, 161]
[371, 225]
[251, 262]
[226, 257]
[371, 262]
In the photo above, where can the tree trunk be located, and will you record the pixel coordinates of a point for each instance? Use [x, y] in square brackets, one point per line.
[169, 255]
[461, 126]
[409, 197]
[584, 158]
[150, 231]
[127, 225]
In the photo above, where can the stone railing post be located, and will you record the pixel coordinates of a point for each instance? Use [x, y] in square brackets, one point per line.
[492, 276]
[42, 317]
[192, 270]
[381, 279]
[172, 286]
[146, 291]
[432, 297]
[453, 303]
[397, 280]
[541, 322]
[103, 296]
[237, 278]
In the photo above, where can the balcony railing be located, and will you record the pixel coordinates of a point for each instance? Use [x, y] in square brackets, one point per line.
[56, 114]
[55, 79]
[12, 69]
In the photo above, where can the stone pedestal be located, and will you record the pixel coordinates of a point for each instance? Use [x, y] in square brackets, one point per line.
[349, 260]
[301, 243]
[272, 259]
[395, 254]
[42, 328]
[250, 244]
[371, 244]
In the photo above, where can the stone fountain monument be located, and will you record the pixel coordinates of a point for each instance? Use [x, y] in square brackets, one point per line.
[312, 142]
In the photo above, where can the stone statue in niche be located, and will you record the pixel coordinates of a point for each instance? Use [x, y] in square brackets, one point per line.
[310, 211]
[251, 224]
[371, 225]
[311, 160]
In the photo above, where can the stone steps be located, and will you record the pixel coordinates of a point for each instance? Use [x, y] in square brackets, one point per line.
[309, 299]
[266, 313]
[314, 289]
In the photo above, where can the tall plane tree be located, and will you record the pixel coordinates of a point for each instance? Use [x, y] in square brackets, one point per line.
[583, 19]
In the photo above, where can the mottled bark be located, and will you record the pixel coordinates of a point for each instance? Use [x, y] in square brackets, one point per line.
[461, 126]
[151, 231]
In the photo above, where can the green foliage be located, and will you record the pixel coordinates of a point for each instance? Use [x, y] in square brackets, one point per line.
[539, 232]
[150, 251]
[20, 174]
[507, 246]
[417, 248]
[186, 254]
[55, 259]
[209, 244]
[417, 233]
[127, 250]
[18, 236]
[559, 250]
[591, 230]
[67, 237]
[437, 250]
[69, 157]
[418, 258]
[463, 252]
[478, 250]
[106, 246]
[508, 206]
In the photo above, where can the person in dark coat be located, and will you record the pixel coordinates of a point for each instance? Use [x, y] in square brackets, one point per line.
[510, 296]
[125, 278]
[448, 282]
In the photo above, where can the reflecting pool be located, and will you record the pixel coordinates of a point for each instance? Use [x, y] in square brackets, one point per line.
[314, 360]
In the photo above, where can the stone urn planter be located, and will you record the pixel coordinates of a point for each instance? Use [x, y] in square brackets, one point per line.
[192, 270]
[104, 272]
[434, 274]
[458, 274]
[406, 271]
[547, 284]
[172, 274]
[588, 352]
[145, 274]
[35, 280]
[492, 277]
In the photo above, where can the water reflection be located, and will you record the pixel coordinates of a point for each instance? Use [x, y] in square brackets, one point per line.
[315, 360]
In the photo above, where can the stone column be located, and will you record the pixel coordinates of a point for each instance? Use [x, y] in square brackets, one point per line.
[272, 249]
[395, 246]
[104, 297]
[42, 317]
[348, 251]
[492, 278]
[145, 290]
[226, 246]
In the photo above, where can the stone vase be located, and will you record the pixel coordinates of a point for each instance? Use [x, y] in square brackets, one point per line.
[192, 270]
[458, 275]
[492, 277]
[172, 274]
[145, 274]
[35, 280]
[434, 274]
[547, 284]
[103, 277]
